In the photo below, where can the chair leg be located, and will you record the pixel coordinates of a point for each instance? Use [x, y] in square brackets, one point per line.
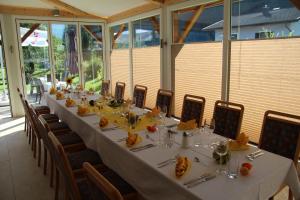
[29, 133]
[290, 194]
[51, 172]
[39, 152]
[34, 145]
[45, 160]
[25, 125]
[56, 184]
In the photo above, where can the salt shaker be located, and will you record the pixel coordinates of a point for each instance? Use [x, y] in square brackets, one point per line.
[187, 140]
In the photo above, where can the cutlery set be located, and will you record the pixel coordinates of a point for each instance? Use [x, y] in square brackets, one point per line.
[203, 178]
[147, 146]
[168, 162]
[255, 155]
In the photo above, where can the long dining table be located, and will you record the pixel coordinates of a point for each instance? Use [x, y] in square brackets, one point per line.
[140, 169]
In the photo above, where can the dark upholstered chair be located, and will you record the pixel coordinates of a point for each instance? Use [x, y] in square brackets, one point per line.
[119, 90]
[107, 185]
[67, 163]
[139, 94]
[105, 87]
[228, 118]
[193, 108]
[280, 134]
[165, 98]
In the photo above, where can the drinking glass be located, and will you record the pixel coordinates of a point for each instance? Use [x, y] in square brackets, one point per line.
[166, 138]
[222, 150]
[233, 165]
[163, 113]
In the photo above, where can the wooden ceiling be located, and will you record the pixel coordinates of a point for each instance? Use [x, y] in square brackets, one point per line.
[70, 11]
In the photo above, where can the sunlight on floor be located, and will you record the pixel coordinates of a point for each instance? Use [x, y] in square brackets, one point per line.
[11, 126]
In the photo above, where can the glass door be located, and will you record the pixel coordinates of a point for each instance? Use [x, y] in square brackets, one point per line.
[64, 39]
[92, 55]
[33, 37]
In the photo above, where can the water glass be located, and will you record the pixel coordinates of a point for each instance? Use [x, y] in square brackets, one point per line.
[233, 166]
[166, 138]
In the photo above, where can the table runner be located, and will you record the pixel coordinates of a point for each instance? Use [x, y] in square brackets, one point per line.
[270, 171]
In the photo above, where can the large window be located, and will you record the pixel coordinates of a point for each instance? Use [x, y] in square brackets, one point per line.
[197, 61]
[65, 52]
[120, 69]
[265, 73]
[36, 62]
[146, 56]
[92, 56]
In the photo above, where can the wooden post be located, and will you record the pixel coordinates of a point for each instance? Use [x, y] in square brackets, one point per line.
[175, 27]
[191, 23]
[155, 24]
[29, 32]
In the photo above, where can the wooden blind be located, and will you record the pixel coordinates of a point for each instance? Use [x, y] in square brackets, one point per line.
[120, 70]
[198, 71]
[265, 75]
[146, 71]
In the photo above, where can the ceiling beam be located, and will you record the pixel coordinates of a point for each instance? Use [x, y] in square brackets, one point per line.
[191, 23]
[28, 33]
[134, 11]
[156, 1]
[63, 6]
[16, 10]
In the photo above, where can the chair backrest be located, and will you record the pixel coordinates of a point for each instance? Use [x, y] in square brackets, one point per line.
[280, 134]
[165, 98]
[29, 113]
[105, 87]
[139, 94]
[99, 186]
[228, 118]
[43, 128]
[63, 165]
[119, 90]
[193, 108]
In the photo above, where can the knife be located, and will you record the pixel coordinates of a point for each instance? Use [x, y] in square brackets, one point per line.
[142, 147]
[201, 181]
[197, 179]
[167, 163]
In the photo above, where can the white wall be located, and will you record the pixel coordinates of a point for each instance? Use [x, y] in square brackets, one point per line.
[249, 31]
[12, 62]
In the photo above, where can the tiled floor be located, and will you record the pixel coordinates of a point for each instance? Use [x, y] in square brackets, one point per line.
[20, 178]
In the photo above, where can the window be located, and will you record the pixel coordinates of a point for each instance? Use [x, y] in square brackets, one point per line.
[146, 56]
[264, 34]
[119, 36]
[120, 68]
[198, 66]
[264, 19]
[265, 73]
[92, 56]
[64, 42]
[146, 32]
[197, 24]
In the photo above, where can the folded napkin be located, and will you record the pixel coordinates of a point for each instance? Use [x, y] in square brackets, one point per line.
[154, 112]
[240, 144]
[60, 96]
[189, 125]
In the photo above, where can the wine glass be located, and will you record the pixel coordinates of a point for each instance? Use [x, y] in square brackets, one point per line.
[222, 150]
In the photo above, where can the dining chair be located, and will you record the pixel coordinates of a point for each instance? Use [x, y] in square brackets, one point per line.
[105, 87]
[228, 118]
[193, 108]
[107, 185]
[27, 127]
[119, 90]
[139, 95]
[26, 121]
[280, 134]
[74, 189]
[165, 99]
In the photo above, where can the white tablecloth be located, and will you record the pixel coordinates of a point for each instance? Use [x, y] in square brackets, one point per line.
[269, 171]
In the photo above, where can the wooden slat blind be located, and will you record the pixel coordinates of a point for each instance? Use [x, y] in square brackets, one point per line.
[146, 71]
[198, 71]
[265, 75]
[120, 69]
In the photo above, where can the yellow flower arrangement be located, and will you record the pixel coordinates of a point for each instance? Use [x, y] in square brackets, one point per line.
[53, 90]
[69, 81]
